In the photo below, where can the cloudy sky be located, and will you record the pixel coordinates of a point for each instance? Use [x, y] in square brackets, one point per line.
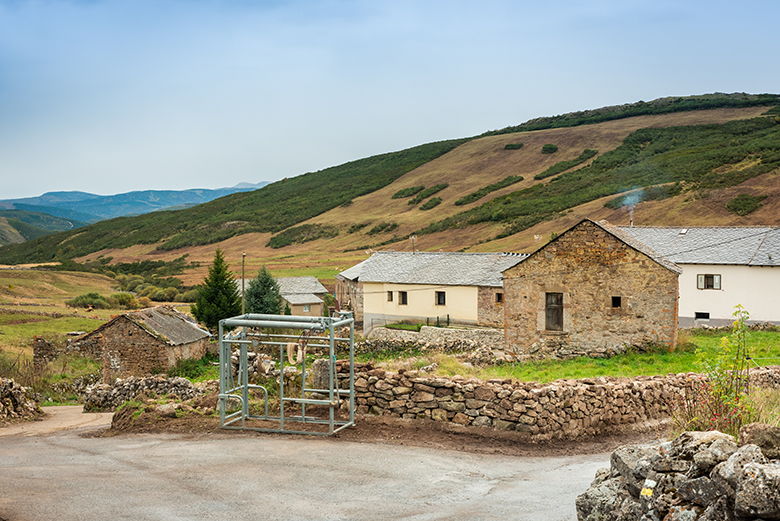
[120, 95]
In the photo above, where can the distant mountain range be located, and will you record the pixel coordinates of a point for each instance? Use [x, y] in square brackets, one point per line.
[58, 211]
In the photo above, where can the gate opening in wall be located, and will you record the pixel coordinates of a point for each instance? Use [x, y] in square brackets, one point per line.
[286, 334]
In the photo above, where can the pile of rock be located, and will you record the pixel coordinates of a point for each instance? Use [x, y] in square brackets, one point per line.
[16, 402]
[702, 476]
[105, 397]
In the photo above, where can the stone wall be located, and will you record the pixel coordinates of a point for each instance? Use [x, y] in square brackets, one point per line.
[439, 337]
[565, 409]
[350, 296]
[589, 266]
[490, 313]
[16, 402]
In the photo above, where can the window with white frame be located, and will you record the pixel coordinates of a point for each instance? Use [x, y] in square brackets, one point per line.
[306, 308]
[708, 281]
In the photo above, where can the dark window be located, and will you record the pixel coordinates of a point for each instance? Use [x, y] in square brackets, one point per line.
[701, 315]
[617, 302]
[554, 312]
[402, 298]
[499, 298]
[441, 299]
[389, 296]
[708, 281]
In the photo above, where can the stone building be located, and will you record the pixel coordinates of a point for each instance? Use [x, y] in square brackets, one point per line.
[349, 290]
[593, 290]
[304, 295]
[140, 342]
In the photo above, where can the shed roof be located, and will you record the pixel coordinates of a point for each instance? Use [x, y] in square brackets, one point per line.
[438, 268]
[165, 323]
[745, 245]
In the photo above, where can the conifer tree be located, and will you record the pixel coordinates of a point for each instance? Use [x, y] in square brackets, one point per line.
[263, 295]
[218, 295]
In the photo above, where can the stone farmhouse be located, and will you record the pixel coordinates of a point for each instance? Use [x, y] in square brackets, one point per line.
[139, 342]
[592, 290]
[464, 288]
[349, 290]
[721, 267]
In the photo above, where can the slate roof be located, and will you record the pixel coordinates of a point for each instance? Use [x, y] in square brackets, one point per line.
[302, 298]
[300, 285]
[437, 268]
[639, 245]
[165, 323]
[353, 273]
[746, 245]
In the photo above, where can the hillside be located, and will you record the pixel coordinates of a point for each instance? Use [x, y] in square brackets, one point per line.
[17, 226]
[330, 217]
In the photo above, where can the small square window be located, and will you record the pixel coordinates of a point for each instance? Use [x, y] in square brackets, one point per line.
[441, 298]
[701, 315]
[499, 298]
[389, 296]
[402, 299]
[306, 308]
[617, 302]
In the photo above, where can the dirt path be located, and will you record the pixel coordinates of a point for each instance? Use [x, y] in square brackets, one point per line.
[58, 418]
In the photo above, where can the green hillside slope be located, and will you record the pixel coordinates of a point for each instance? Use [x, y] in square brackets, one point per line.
[32, 225]
[270, 209]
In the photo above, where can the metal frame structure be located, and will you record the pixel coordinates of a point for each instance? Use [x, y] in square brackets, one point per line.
[322, 330]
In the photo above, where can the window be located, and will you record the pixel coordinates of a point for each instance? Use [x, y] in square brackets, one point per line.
[617, 302]
[701, 315]
[554, 311]
[708, 281]
[402, 300]
[389, 296]
[441, 299]
[499, 298]
[306, 308]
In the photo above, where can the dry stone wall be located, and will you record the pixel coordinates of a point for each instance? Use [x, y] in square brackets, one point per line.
[16, 402]
[565, 409]
[439, 337]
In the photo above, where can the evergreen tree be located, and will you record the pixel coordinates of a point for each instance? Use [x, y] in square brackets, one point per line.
[218, 295]
[262, 295]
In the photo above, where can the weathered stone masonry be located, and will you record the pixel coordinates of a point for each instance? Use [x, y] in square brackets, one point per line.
[562, 409]
[613, 295]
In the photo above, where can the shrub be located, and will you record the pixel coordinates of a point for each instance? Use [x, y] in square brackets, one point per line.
[383, 228]
[145, 302]
[89, 299]
[482, 192]
[356, 227]
[428, 192]
[513, 146]
[744, 204]
[303, 233]
[408, 192]
[561, 166]
[549, 149]
[436, 201]
[189, 296]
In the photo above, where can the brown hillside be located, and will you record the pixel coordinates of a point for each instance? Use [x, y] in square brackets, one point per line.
[470, 167]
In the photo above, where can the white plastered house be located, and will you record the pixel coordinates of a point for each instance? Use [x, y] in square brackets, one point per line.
[722, 267]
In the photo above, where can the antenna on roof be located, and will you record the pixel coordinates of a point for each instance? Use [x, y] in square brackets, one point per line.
[413, 240]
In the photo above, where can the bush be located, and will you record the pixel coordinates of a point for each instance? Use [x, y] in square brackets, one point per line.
[482, 192]
[89, 299]
[383, 228]
[408, 192]
[561, 166]
[513, 146]
[428, 192]
[189, 296]
[549, 149]
[744, 204]
[431, 203]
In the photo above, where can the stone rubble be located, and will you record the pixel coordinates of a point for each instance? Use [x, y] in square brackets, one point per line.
[17, 402]
[702, 476]
[104, 397]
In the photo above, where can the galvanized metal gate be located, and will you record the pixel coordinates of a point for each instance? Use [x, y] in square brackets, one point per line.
[320, 330]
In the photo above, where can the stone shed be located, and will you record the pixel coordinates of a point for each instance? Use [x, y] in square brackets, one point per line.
[591, 291]
[140, 342]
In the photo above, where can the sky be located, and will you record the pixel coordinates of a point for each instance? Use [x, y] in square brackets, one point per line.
[121, 95]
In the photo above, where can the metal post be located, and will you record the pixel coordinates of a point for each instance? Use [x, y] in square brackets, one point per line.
[243, 284]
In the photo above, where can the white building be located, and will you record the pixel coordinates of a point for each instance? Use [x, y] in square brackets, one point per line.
[722, 267]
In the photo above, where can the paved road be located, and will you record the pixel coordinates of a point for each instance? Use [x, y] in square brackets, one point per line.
[66, 476]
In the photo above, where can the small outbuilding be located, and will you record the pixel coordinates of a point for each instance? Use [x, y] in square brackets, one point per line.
[593, 291]
[140, 342]
[305, 295]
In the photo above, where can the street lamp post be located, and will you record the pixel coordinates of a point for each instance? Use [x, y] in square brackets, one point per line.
[243, 284]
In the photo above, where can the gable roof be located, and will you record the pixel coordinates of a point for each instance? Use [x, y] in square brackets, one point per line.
[437, 268]
[745, 245]
[352, 273]
[164, 323]
[628, 240]
[300, 285]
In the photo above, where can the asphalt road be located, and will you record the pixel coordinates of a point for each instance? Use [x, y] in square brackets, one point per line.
[66, 476]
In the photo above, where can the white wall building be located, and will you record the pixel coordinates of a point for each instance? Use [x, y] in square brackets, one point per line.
[722, 267]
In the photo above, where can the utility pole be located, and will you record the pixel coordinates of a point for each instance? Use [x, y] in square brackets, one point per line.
[243, 284]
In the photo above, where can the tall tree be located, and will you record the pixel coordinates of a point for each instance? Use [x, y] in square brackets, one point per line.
[263, 295]
[218, 295]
